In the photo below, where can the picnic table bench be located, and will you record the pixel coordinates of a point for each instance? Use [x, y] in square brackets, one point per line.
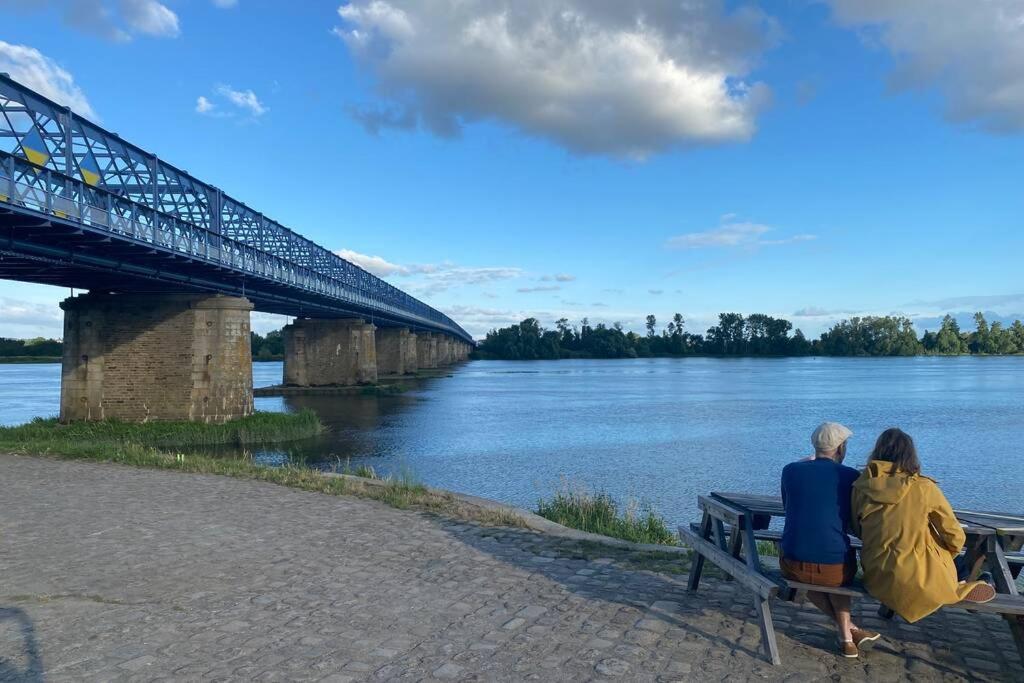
[732, 524]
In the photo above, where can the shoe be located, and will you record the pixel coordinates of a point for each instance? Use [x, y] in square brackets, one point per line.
[848, 649]
[864, 639]
[981, 593]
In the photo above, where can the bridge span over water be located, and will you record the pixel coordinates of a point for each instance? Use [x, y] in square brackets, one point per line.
[173, 266]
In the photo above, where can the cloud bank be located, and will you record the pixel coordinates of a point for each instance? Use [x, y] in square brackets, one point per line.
[972, 52]
[625, 78]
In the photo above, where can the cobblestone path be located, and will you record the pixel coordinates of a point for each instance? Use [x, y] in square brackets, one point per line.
[112, 573]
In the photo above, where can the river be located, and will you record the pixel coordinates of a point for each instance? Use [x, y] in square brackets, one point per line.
[658, 430]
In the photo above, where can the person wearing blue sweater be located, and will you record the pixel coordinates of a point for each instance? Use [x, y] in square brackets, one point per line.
[816, 493]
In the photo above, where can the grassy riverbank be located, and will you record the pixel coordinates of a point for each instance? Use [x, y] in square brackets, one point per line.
[50, 436]
[162, 445]
[598, 513]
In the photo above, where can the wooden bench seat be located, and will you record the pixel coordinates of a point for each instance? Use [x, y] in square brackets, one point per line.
[774, 535]
[1001, 604]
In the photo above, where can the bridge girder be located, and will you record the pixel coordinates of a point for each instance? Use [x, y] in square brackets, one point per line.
[99, 210]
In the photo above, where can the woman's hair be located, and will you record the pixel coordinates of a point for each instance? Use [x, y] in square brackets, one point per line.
[895, 445]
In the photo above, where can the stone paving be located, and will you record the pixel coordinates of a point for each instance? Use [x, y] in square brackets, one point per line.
[113, 573]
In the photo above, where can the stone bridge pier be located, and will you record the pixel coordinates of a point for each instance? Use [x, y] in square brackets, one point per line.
[396, 351]
[143, 357]
[426, 350]
[326, 352]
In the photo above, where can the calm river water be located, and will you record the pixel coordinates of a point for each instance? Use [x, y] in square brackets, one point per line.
[661, 430]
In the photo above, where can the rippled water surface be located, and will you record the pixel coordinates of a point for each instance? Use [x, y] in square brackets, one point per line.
[662, 430]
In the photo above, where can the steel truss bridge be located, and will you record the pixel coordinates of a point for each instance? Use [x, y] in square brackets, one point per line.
[80, 207]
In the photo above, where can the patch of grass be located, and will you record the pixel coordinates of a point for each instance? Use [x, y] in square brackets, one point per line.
[598, 513]
[364, 471]
[49, 435]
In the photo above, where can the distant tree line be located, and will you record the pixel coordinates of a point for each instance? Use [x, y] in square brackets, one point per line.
[752, 335]
[270, 347]
[30, 348]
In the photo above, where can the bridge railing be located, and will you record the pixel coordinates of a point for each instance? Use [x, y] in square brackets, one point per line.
[24, 185]
[86, 169]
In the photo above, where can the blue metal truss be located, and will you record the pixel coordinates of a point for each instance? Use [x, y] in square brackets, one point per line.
[81, 207]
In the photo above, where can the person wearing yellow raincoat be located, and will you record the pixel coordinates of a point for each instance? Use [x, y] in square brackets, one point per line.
[910, 533]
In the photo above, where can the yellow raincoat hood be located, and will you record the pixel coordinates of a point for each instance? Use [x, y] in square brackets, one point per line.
[879, 484]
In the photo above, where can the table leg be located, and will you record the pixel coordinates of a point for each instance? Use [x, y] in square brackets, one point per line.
[697, 566]
[753, 556]
[764, 617]
[718, 529]
[736, 543]
[999, 567]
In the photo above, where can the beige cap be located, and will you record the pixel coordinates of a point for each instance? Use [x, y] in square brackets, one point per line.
[829, 436]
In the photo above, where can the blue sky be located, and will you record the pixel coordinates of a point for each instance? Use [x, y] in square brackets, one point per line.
[580, 158]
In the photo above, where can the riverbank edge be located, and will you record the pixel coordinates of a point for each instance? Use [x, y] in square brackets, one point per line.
[531, 520]
[450, 504]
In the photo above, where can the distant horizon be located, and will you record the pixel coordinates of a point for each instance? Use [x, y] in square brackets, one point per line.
[964, 319]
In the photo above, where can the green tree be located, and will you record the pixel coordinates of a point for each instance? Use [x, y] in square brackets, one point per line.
[1017, 330]
[949, 340]
[980, 339]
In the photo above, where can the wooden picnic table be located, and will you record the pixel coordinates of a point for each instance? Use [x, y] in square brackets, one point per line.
[990, 535]
[732, 523]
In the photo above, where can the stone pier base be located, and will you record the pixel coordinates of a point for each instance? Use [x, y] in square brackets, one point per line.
[396, 351]
[444, 350]
[410, 358]
[143, 357]
[322, 352]
[426, 350]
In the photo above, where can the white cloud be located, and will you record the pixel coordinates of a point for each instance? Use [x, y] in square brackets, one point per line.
[435, 279]
[377, 265]
[204, 106]
[656, 292]
[429, 278]
[732, 234]
[972, 52]
[37, 71]
[116, 20]
[150, 17]
[818, 312]
[243, 99]
[558, 277]
[544, 288]
[626, 78]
